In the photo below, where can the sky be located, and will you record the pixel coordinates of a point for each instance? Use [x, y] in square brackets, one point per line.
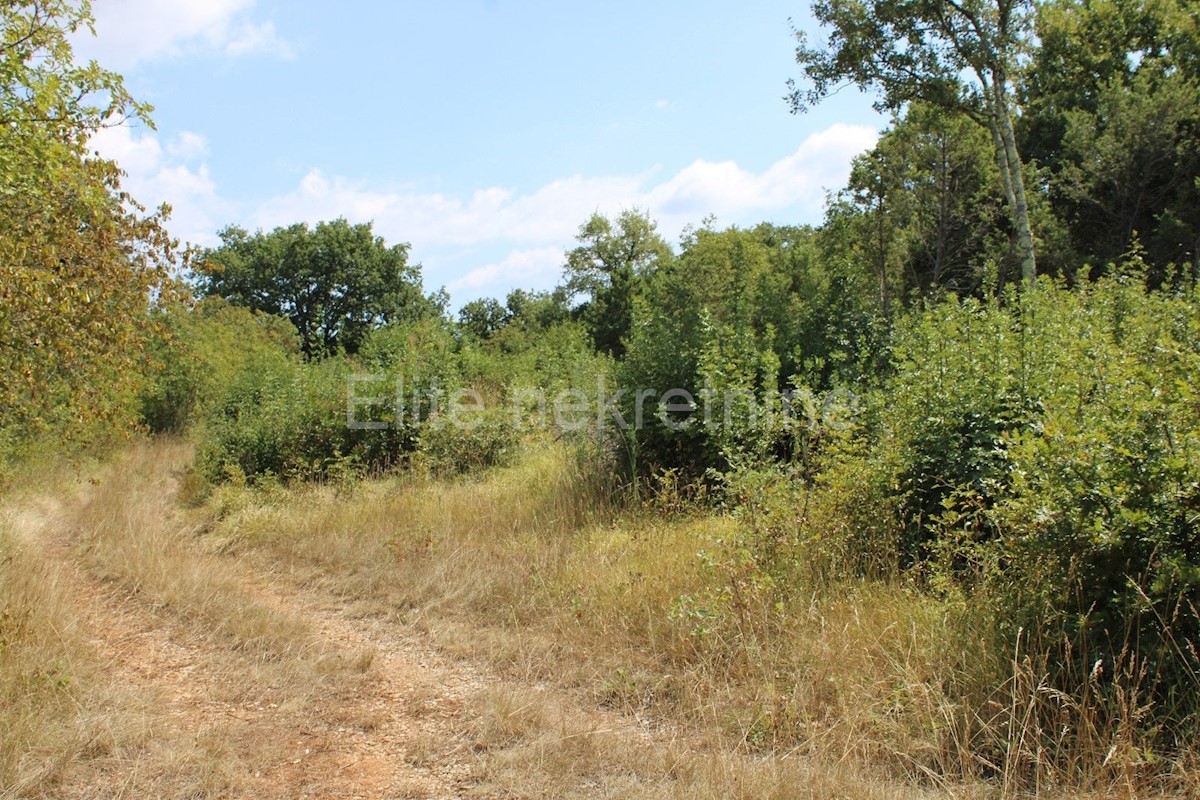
[481, 132]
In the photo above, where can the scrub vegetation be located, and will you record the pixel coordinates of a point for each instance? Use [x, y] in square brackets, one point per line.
[903, 504]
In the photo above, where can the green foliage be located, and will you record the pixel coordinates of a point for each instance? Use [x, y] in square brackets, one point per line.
[199, 350]
[298, 420]
[336, 282]
[482, 318]
[79, 260]
[525, 367]
[1038, 455]
[1110, 108]
[740, 320]
[422, 353]
[1100, 533]
[466, 441]
[957, 390]
[923, 210]
[957, 56]
[607, 270]
[289, 421]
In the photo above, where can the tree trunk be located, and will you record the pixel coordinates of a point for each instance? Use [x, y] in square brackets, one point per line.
[1005, 140]
[1010, 197]
[943, 225]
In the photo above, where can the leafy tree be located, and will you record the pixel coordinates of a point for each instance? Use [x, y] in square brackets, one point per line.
[522, 315]
[537, 310]
[482, 318]
[1112, 99]
[79, 260]
[958, 55]
[739, 317]
[606, 269]
[335, 282]
[922, 209]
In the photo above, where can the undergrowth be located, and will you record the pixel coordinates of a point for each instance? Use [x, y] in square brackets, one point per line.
[669, 617]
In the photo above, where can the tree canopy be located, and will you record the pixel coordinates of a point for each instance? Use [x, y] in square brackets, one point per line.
[959, 55]
[336, 282]
[606, 269]
[79, 259]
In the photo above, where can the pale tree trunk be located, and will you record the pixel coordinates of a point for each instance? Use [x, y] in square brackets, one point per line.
[1005, 140]
[939, 252]
[1021, 205]
[885, 299]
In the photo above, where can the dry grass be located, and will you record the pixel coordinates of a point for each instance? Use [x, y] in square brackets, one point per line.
[134, 535]
[59, 705]
[683, 675]
[541, 747]
[533, 570]
[55, 704]
[126, 646]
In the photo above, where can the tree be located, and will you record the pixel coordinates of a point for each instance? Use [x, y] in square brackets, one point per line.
[959, 55]
[606, 270]
[537, 311]
[922, 207]
[483, 317]
[335, 282]
[1112, 109]
[79, 259]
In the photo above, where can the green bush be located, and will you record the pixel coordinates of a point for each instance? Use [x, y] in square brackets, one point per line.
[739, 320]
[290, 421]
[199, 351]
[1038, 455]
[311, 420]
[465, 443]
[1099, 535]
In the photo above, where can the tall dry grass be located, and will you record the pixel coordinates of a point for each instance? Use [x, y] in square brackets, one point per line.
[131, 532]
[533, 568]
[91, 561]
[59, 706]
[51, 688]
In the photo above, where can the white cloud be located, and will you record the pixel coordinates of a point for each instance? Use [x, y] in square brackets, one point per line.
[156, 174]
[492, 214]
[796, 181]
[188, 146]
[130, 32]
[257, 38]
[552, 213]
[534, 228]
[536, 266]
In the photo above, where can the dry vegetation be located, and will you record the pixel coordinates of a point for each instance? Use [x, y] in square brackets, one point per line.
[278, 640]
[137, 662]
[532, 570]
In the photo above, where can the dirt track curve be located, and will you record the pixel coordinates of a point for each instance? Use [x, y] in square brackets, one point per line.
[375, 712]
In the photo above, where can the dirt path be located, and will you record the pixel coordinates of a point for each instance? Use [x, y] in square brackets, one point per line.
[217, 673]
[358, 709]
[400, 732]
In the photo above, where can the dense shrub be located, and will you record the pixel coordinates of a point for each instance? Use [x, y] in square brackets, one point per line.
[741, 320]
[308, 420]
[198, 351]
[1100, 531]
[467, 441]
[550, 359]
[1038, 455]
[290, 421]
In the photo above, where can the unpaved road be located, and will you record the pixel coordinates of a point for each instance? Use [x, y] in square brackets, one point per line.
[371, 711]
[203, 671]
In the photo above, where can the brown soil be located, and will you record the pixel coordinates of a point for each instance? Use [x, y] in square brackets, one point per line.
[363, 731]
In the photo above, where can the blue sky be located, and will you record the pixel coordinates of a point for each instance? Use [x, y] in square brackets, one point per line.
[483, 132]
